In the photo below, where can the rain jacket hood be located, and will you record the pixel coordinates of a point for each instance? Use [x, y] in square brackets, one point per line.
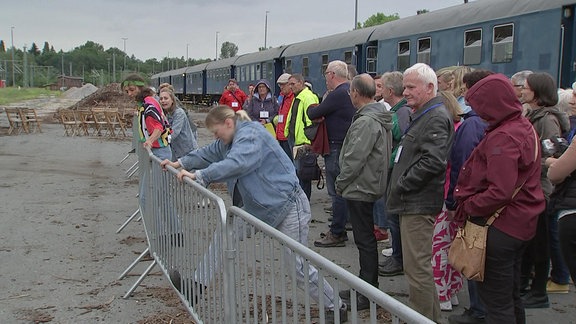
[494, 100]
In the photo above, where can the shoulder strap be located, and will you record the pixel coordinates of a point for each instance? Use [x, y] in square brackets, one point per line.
[497, 213]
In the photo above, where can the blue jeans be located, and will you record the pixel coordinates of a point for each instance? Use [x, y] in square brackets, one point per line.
[394, 223]
[339, 206]
[476, 306]
[559, 273]
[380, 217]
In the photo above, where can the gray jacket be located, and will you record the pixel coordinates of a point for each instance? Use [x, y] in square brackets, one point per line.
[417, 180]
[183, 139]
[365, 154]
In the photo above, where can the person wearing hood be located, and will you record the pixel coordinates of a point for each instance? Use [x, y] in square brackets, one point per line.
[364, 173]
[263, 105]
[541, 94]
[502, 175]
[415, 191]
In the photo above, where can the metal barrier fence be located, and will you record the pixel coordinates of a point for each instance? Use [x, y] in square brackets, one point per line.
[229, 267]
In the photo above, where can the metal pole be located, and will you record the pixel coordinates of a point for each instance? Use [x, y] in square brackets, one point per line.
[12, 40]
[187, 54]
[216, 58]
[124, 39]
[356, 15]
[266, 29]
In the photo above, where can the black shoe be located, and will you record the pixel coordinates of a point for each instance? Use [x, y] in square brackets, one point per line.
[348, 226]
[390, 267]
[535, 300]
[465, 318]
[176, 280]
[330, 316]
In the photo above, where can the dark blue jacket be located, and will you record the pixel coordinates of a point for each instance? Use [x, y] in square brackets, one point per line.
[338, 111]
[468, 135]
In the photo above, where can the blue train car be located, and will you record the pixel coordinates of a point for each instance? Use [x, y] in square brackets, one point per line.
[504, 36]
[178, 81]
[310, 58]
[155, 80]
[217, 75]
[195, 82]
[267, 64]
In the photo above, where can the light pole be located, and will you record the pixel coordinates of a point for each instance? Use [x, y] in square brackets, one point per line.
[12, 40]
[356, 15]
[216, 46]
[187, 54]
[124, 39]
[266, 29]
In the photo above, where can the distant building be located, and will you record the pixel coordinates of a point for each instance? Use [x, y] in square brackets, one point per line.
[66, 82]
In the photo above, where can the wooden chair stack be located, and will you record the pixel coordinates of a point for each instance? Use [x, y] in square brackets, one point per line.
[22, 119]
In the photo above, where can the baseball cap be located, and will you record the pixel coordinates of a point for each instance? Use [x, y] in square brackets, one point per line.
[283, 78]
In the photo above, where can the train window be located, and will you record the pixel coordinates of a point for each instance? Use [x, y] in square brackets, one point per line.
[305, 67]
[472, 47]
[258, 72]
[348, 57]
[403, 61]
[371, 59]
[503, 43]
[424, 47]
[289, 66]
[269, 71]
[252, 72]
[324, 63]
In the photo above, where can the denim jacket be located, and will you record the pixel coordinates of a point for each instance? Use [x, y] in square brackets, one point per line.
[256, 165]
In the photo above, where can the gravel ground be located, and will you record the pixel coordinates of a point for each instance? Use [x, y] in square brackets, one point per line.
[62, 200]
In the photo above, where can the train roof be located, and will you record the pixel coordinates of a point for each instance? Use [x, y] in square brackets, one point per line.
[197, 67]
[338, 41]
[178, 71]
[261, 56]
[464, 14]
[223, 63]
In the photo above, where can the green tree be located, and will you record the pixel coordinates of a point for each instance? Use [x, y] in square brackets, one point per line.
[422, 11]
[46, 48]
[378, 19]
[34, 49]
[228, 49]
[2, 47]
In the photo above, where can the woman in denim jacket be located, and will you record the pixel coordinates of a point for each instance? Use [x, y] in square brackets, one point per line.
[256, 168]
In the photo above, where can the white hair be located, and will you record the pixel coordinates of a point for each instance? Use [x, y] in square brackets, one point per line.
[425, 73]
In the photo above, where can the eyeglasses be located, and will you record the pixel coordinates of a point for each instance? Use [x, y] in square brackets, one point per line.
[521, 86]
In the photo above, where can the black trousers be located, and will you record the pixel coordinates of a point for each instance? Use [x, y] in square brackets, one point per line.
[567, 234]
[362, 220]
[500, 291]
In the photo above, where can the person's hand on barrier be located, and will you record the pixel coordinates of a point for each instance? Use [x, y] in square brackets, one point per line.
[184, 173]
[166, 162]
[147, 144]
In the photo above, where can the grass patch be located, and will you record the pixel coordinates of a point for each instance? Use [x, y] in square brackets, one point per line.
[10, 95]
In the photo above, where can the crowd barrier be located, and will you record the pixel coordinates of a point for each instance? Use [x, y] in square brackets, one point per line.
[229, 267]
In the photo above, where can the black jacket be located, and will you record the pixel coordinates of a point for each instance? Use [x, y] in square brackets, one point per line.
[417, 180]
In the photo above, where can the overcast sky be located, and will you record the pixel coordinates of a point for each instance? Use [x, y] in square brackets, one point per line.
[157, 29]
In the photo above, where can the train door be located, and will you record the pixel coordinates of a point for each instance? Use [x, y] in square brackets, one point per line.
[372, 58]
[567, 64]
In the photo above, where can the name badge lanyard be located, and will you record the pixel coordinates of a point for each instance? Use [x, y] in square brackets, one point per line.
[422, 114]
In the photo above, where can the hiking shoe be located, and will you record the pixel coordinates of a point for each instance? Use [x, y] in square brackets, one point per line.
[323, 235]
[330, 316]
[390, 267]
[556, 288]
[362, 302]
[331, 240]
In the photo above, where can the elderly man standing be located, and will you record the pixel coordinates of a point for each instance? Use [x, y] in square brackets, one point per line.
[337, 109]
[298, 119]
[364, 174]
[416, 185]
[232, 96]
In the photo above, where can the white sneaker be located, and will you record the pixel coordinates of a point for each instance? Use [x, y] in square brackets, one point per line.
[387, 252]
[446, 306]
[454, 301]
